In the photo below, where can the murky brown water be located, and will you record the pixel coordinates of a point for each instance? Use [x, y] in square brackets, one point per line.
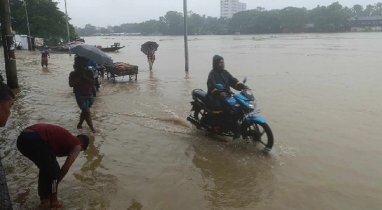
[320, 93]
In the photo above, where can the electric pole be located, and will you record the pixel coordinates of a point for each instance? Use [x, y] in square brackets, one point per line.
[29, 31]
[67, 26]
[185, 33]
[8, 45]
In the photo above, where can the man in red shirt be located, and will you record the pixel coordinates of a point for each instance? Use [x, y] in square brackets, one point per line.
[41, 143]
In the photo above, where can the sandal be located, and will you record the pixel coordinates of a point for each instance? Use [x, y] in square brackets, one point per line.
[57, 205]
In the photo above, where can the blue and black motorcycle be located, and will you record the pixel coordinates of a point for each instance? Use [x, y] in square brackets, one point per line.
[240, 113]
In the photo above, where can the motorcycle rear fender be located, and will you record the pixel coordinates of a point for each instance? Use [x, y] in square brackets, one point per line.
[192, 105]
[199, 104]
[255, 119]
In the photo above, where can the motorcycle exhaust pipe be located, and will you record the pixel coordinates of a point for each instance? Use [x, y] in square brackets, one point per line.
[197, 123]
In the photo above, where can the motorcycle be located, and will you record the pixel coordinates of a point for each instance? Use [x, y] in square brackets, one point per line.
[96, 74]
[240, 113]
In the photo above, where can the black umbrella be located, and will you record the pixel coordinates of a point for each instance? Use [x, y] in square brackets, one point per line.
[146, 46]
[93, 53]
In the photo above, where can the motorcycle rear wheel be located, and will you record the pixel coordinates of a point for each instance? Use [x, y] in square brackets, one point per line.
[256, 132]
[198, 115]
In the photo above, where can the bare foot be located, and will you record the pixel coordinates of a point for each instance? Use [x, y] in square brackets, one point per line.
[96, 131]
[79, 126]
[44, 201]
[56, 205]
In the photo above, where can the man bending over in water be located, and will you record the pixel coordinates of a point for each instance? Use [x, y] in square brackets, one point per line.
[42, 143]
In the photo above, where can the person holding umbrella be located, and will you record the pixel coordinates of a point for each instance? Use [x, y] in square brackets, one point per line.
[151, 56]
[82, 82]
[149, 49]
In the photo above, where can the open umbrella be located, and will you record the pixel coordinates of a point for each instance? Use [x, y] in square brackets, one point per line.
[93, 53]
[146, 46]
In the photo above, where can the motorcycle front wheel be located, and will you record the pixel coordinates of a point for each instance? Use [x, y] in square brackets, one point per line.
[261, 134]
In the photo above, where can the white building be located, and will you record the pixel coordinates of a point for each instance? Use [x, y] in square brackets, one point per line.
[230, 7]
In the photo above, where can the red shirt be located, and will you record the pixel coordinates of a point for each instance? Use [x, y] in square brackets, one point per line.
[61, 141]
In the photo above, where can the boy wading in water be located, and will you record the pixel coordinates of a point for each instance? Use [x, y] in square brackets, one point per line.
[44, 57]
[82, 81]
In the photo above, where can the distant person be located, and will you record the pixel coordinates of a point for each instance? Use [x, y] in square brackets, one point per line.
[82, 81]
[151, 56]
[42, 143]
[44, 56]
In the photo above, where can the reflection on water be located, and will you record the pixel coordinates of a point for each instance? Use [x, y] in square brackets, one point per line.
[135, 206]
[235, 176]
[147, 156]
[94, 178]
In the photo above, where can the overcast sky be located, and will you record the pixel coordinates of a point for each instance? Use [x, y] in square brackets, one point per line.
[115, 12]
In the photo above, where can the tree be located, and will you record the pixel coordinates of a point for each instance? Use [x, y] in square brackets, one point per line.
[174, 22]
[332, 18]
[293, 18]
[46, 20]
[357, 10]
[369, 10]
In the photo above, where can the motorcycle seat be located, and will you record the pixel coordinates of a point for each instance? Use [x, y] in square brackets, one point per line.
[200, 94]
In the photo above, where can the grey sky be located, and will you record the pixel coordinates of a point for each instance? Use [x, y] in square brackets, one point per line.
[116, 12]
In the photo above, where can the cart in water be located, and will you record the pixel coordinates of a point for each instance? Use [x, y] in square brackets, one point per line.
[121, 69]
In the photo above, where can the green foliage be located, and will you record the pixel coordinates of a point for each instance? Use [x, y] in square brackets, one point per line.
[332, 18]
[45, 20]
[293, 18]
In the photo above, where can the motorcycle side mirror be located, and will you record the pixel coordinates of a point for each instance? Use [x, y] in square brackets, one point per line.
[219, 87]
[245, 80]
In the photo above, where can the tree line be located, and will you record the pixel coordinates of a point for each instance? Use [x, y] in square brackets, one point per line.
[48, 22]
[332, 18]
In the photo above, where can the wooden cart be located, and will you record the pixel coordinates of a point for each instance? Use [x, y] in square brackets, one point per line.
[117, 71]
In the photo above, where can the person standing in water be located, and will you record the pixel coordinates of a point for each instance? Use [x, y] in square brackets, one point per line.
[151, 56]
[44, 56]
[82, 81]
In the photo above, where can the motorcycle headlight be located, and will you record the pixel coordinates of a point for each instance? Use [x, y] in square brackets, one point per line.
[252, 104]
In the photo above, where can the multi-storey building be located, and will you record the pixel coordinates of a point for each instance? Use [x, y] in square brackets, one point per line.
[230, 7]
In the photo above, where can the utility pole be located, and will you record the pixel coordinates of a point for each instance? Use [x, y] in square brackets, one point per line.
[29, 31]
[67, 26]
[185, 33]
[8, 45]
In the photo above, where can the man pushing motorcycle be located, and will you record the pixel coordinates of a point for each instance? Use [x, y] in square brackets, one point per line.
[219, 75]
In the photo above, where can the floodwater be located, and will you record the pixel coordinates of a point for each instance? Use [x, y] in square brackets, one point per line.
[320, 94]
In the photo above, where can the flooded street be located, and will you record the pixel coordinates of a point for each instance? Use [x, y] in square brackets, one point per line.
[320, 94]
